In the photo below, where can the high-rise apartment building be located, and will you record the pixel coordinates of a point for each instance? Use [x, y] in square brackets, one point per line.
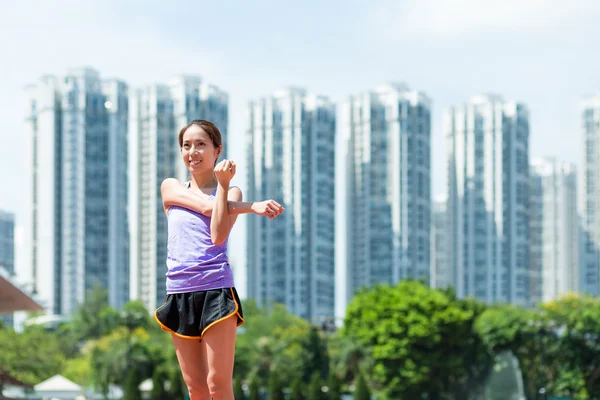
[153, 149]
[590, 195]
[488, 181]
[290, 145]
[386, 134]
[7, 252]
[441, 270]
[554, 225]
[76, 224]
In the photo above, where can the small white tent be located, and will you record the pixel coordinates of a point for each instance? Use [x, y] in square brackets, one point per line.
[145, 388]
[58, 387]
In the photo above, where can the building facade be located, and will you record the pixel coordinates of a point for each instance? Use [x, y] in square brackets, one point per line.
[590, 195]
[7, 252]
[441, 272]
[75, 225]
[43, 206]
[290, 147]
[386, 134]
[488, 182]
[554, 225]
[153, 150]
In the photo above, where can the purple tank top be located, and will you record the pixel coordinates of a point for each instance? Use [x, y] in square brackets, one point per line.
[194, 262]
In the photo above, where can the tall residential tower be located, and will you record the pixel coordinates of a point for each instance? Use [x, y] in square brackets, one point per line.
[554, 226]
[488, 182]
[7, 252]
[291, 158]
[386, 137]
[76, 222]
[590, 195]
[441, 271]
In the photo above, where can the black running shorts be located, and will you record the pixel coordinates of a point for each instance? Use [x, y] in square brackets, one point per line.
[190, 315]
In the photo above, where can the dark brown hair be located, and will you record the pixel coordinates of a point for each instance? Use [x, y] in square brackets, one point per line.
[211, 130]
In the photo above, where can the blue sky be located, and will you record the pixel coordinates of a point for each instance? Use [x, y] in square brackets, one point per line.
[539, 52]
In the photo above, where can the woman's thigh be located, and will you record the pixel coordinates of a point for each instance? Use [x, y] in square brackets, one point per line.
[219, 344]
[191, 355]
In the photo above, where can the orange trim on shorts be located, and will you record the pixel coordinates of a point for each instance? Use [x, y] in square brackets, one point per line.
[167, 329]
[237, 307]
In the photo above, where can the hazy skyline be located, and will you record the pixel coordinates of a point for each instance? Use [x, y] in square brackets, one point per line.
[538, 52]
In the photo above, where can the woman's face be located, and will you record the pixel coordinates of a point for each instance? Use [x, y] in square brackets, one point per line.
[198, 151]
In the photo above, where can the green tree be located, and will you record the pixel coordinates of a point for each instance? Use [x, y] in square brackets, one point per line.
[131, 390]
[177, 388]
[475, 362]
[134, 315]
[289, 352]
[69, 342]
[115, 355]
[238, 391]
[254, 389]
[160, 353]
[573, 359]
[31, 356]
[78, 370]
[420, 339]
[557, 345]
[271, 339]
[158, 384]
[315, 355]
[296, 391]
[361, 391]
[275, 388]
[95, 318]
[333, 384]
[315, 391]
[511, 328]
[348, 356]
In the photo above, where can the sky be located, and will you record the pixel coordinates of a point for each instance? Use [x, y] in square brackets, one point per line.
[539, 52]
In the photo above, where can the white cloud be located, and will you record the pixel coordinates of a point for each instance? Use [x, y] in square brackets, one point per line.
[452, 18]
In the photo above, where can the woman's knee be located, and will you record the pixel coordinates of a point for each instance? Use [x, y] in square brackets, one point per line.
[219, 385]
[198, 390]
[195, 383]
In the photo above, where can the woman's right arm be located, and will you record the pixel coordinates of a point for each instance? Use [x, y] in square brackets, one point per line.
[175, 194]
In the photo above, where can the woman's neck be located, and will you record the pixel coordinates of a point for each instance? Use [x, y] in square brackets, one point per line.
[204, 180]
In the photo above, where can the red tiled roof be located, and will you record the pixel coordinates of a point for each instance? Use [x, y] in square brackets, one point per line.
[14, 299]
[5, 378]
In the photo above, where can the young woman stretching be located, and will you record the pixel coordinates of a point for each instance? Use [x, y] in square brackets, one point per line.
[202, 308]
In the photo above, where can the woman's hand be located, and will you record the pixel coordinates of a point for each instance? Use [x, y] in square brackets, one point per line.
[224, 171]
[267, 208]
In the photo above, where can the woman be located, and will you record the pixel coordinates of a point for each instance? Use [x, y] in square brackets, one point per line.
[202, 308]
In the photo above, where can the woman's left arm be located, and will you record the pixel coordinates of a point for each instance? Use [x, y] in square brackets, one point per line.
[222, 220]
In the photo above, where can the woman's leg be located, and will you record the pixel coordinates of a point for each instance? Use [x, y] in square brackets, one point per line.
[219, 343]
[192, 361]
